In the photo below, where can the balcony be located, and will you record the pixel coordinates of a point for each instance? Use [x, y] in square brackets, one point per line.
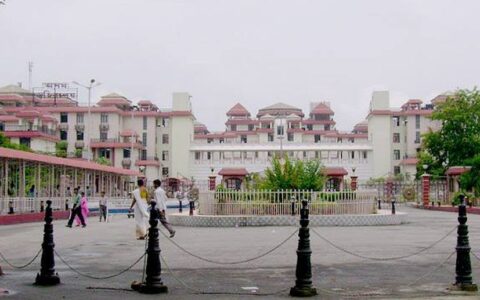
[63, 126]
[79, 144]
[148, 161]
[104, 127]
[30, 131]
[80, 127]
[126, 162]
[115, 143]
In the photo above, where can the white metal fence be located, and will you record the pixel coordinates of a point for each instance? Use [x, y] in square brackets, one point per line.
[285, 202]
[30, 205]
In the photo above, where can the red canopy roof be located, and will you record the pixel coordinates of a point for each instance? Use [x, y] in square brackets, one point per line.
[238, 110]
[233, 172]
[336, 171]
[74, 163]
[455, 171]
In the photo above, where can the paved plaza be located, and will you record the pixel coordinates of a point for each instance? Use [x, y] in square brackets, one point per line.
[106, 248]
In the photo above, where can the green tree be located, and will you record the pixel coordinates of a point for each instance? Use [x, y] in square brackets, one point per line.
[103, 161]
[295, 175]
[458, 140]
[61, 149]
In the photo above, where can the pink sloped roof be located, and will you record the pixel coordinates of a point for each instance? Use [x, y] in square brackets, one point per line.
[454, 171]
[409, 161]
[8, 118]
[74, 163]
[322, 109]
[238, 110]
[336, 171]
[233, 172]
[28, 114]
[128, 132]
[145, 102]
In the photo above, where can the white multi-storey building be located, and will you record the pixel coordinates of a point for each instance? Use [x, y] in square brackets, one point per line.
[170, 144]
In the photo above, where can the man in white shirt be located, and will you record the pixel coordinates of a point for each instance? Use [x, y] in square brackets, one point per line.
[161, 199]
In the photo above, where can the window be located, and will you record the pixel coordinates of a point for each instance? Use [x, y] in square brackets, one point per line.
[256, 154]
[145, 123]
[2, 127]
[233, 127]
[250, 127]
[317, 138]
[197, 155]
[103, 135]
[221, 140]
[164, 138]
[126, 152]
[417, 137]
[417, 121]
[79, 118]
[209, 155]
[165, 171]
[79, 135]
[309, 127]
[280, 130]
[317, 154]
[269, 153]
[290, 137]
[304, 154]
[351, 140]
[63, 135]
[165, 122]
[340, 154]
[104, 118]
[352, 155]
[63, 117]
[104, 153]
[164, 155]
[364, 154]
[270, 137]
[144, 139]
[396, 154]
[339, 140]
[396, 137]
[396, 170]
[243, 139]
[396, 121]
[209, 141]
[143, 155]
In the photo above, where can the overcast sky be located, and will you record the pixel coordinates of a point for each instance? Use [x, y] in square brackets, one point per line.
[256, 52]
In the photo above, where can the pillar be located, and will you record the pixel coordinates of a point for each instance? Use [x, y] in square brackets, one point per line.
[426, 190]
[353, 184]
[211, 182]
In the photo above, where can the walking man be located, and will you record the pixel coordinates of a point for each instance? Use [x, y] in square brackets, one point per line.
[76, 210]
[161, 199]
[103, 206]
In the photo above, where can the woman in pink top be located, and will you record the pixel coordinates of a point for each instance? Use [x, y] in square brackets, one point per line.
[84, 205]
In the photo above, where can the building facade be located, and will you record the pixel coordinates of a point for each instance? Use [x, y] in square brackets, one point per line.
[170, 144]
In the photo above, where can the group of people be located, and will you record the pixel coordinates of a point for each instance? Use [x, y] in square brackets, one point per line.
[140, 204]
[80, 211]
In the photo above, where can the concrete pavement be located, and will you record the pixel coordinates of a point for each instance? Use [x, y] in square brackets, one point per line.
[106, 248]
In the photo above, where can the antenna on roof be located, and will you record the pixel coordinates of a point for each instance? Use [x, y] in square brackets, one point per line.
[30, 71]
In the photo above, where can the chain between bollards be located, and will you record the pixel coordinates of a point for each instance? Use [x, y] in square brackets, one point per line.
[463, 268]
[153, 282]
[47, 275]
[303, 284]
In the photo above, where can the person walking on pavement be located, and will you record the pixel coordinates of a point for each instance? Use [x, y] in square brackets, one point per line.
[103, 206]
[161, 199]
[76, 210]
[141, 202]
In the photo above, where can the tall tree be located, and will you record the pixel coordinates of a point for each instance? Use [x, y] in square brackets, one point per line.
[458, 140]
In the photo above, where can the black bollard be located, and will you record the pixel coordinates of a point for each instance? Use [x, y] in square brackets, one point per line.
[293, 205]
[10, 207]
[153, 282]
[463, 267]
[393, 206]
[379, 204]
[192, 207]
[180, 208]
[47, 275]
[303, 284]
[42, 207]
[66, 204]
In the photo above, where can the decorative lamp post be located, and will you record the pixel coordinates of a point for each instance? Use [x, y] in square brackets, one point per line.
[89, 87]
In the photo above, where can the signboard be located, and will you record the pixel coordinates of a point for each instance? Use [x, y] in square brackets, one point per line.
[56, 90]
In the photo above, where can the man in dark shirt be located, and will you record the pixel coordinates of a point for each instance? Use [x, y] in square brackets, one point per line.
[76, 210]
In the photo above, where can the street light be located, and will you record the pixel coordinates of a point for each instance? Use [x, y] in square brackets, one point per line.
[89, 88]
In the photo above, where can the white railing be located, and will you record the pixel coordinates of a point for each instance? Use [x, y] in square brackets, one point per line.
[264, 202]
[29, 205]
